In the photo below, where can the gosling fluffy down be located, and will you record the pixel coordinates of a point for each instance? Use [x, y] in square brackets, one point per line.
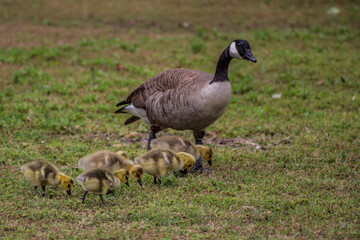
[159, 161]
[180, 144]
[42, 173]
[100, 181]
[112, 161]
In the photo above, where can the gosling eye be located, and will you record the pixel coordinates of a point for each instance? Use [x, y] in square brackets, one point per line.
[68, 186]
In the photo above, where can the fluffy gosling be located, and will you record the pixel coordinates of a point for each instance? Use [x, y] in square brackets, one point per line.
[41, 173]
[159, 161]
[112, 161]
[100, 181]
[179, 144]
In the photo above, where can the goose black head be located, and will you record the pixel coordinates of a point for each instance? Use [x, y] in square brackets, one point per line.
[240, 49]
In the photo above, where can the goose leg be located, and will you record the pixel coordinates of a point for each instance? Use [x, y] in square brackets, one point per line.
[83, 198]
[199, 135]
[153, 131]
[198, 165]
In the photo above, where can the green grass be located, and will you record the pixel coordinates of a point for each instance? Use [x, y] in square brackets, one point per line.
[65, 65]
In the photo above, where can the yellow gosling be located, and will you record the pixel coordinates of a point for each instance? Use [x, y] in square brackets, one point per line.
[100, 181]
[42, 173]
[159, 161]
[180, 144]
[112, 161]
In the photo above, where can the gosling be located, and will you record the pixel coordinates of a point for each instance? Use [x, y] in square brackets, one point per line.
[100, 181]
[112, 161]
[179, 144]
[41, 173]
[159, 161]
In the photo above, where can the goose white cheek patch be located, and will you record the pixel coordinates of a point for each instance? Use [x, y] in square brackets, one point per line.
[234, 52]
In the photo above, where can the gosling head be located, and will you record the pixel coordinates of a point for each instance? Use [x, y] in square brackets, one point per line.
[122, 154]
[187, 159]
[240, 49]
[123, 175]
[66, 182]
[206, 153]
[136, 172]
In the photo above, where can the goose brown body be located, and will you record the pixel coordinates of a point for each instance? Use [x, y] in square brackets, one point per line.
[182, 99]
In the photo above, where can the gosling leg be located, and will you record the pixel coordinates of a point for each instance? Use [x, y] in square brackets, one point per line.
[43, 188]
[83, 197]
[155, 180]
[36, 192]
[102, 199]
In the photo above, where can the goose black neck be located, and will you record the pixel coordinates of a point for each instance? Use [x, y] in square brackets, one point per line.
[222, 67]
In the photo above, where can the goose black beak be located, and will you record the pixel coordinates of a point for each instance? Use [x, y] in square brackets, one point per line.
[68, 192]
[127, 184]
[139, 182]
[249, 56]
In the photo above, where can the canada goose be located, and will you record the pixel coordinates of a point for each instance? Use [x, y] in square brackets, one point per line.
[159, 161]
[112, 161]
[100, 181]
[185, 99]
[41, 173]
[179, 144]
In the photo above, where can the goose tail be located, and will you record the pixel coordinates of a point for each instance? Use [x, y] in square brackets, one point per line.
[121, 110]
[131, 120]
[123, 102]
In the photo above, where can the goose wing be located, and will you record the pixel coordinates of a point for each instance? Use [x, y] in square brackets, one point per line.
[176, 80]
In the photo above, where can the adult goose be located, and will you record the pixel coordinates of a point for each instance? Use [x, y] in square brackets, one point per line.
[185, 99]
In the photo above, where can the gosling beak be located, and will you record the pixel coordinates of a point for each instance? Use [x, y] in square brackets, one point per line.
[139, 182]
[249, 56]
[127, 183]
[68, 192]
[210, 162]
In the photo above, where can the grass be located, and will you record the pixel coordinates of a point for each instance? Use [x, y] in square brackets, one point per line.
[63, 71]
